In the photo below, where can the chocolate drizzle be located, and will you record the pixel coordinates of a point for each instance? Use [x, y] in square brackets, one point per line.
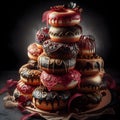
[60, 50]
[65, 31]
[30, 70]
[93, 64]
[52, 65]
[50, 97]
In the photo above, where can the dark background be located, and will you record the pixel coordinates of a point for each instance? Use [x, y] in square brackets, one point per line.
[12, 41]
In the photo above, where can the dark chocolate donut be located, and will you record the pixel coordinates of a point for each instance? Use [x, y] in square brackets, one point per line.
[90, 84]
[55, 66]
[30, 73]
[50, 100]
[86, 102]
[90, 65]
[60, 50]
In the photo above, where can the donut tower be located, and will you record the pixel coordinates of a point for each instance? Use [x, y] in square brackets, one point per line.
[63, 65]
[58, 60]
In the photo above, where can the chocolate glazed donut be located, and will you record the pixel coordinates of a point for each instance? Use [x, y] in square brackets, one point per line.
[55, 66]
[60, 50]
[30, 73]
[50, 100]
[65, 34]
[90, 65]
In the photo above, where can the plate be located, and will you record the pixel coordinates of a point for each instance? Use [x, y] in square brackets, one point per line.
[58, 115]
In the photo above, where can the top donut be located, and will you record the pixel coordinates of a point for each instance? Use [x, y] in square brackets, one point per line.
[63, 15]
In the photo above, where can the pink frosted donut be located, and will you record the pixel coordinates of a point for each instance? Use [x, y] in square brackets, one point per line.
[34, 50]
[61, 82]
[23, 91]
[42, 35]
[62, 16]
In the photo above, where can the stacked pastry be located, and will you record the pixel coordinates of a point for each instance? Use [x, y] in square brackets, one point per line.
[29, 73]
[59, 76]
[91, 66]
[29, 80]
[63, 69]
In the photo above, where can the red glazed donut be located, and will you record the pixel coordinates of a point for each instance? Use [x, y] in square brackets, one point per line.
[23, 90]
[30, 73]
[60, 50]
[67, 34]
[61, 82]
[50, 100]
[34, 50]
[42, 35]
[55, 66]
[87, 46]
[62, 16]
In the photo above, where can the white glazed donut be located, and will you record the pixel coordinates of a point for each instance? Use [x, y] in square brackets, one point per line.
[67, 34]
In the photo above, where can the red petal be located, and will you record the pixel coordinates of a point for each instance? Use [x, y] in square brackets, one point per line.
[72, 98]
[45, 16]
[9, 84]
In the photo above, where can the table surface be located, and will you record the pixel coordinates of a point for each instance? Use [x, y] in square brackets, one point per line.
[15, 114]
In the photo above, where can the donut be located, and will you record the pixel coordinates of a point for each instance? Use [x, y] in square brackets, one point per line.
[34, 50]
[90, 84]
[61, 82]
[30, 73]
[61, 15]
[87, 46]
[42, 35]
[66, 34]
[55, 66]
[86, 102]
[50, 100]
[90, 65]
[23, 90]
[60, 50]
